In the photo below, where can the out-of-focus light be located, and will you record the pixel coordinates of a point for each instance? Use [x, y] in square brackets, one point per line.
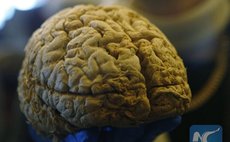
[27, 4]
[6, 12]
[7, 8]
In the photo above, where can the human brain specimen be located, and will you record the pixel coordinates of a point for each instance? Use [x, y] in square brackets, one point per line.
[93, 66]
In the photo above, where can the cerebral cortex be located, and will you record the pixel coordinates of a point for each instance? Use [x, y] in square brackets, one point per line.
[93, 66]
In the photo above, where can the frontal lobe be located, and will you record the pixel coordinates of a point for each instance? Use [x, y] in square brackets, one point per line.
[95, 66]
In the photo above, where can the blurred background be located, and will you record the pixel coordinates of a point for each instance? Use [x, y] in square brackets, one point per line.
[199, 29]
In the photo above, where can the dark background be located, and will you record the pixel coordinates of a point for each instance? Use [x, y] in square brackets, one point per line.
[13, 38]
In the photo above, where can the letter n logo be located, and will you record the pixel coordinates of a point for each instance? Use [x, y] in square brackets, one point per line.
[205, 133]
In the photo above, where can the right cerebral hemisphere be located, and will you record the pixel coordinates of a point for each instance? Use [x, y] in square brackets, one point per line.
[93, 66]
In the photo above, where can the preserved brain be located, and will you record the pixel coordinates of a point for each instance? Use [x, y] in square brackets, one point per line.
[90, 66]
